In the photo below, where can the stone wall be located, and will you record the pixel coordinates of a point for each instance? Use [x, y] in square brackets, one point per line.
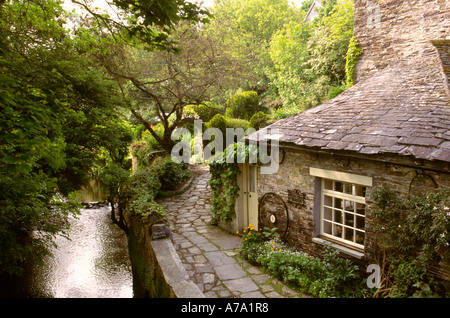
[157, 269]
[388, 30]
[294, 173]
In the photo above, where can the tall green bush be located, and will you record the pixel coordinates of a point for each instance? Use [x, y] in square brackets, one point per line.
[243, 105]
[259, 120]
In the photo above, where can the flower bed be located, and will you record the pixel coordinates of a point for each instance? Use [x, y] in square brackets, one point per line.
[331, 276]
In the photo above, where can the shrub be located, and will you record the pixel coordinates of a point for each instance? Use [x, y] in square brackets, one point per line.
[144, 150]
[218, 121]
[335, 91]
[207, 111]
[259, 120]
[170, 174]
[237, 123]
[327, 277]
[284, 113]
[142, 190]
[413, 233]
[243, 105]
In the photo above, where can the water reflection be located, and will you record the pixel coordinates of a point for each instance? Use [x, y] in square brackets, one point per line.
[94, 263]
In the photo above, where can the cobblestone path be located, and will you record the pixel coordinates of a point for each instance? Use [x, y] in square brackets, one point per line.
[210, 255]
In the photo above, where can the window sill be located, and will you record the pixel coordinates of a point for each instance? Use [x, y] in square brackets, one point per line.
[343, 249]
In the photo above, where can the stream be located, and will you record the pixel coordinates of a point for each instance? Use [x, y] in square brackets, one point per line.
[94, 263]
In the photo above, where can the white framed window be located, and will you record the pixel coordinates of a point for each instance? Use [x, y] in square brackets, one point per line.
[342, 211]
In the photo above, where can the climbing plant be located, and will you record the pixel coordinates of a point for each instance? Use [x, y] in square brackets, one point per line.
[412, 234]
[353, 53]
[223, 180]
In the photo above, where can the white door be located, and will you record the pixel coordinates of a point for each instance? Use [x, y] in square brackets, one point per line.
[252, 195]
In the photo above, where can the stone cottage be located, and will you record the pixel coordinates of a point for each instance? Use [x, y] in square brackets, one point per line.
[390, 127]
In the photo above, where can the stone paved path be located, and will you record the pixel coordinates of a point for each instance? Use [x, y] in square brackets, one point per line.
[210, 255]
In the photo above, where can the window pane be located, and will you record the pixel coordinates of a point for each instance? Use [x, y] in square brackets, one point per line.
[360, 236]
[337, 231]
[327, 214]
[328, 184]
[349, 206]
[348, 188]
[360, 191]
[337, 216]
[348, 234]
[327, 227]
[361, 208]
[344, 214]
[328, 201]
[349, 219]
[338, 203]
[360, 222]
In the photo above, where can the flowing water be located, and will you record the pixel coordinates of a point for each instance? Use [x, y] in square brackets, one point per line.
[94, 263]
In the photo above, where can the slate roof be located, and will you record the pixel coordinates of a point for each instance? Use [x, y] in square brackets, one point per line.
[403, 109]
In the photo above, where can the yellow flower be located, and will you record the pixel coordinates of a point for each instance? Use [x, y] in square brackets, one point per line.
[237, 232]
[273, 243]
[245, 239]
[273, 249]
[279, 250]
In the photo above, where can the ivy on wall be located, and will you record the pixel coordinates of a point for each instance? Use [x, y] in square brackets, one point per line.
[223, 180]
[353, 53]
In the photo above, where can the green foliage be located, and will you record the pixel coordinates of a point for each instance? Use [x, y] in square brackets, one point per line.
[58, 114]
[170, 174]
[309, 58]
[225, 190]
[223, 180]
[141, 193]
[335, 91]
[353, 53]
[219, 122]
[145, 149]
[244, 29]
[207, 111]
[147, 22]
[259, 120]
[284, 112]
[330, 276]
[114, 177]
[236, 123]
[414, 234]
[143, 187]
[243, 105]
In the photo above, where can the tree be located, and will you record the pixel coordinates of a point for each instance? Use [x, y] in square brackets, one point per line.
[149, 22]
[244, 30]
[310, 57]
[56, 109]
[157, 85]
[33, 97]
